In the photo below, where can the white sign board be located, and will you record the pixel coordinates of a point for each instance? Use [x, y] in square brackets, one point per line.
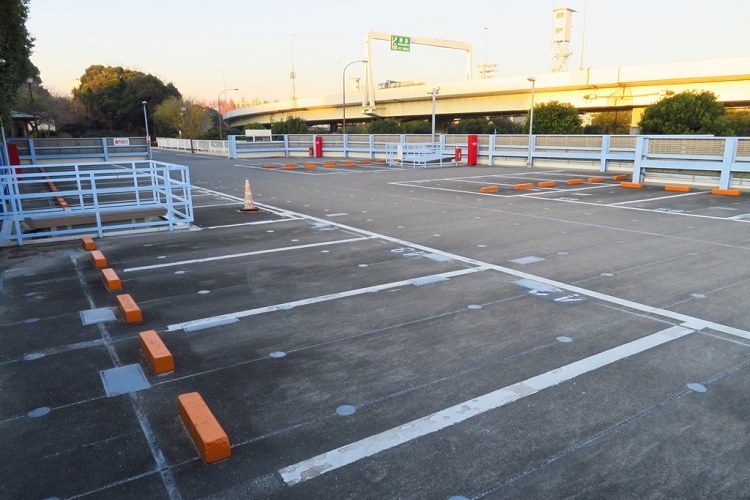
[121, 141]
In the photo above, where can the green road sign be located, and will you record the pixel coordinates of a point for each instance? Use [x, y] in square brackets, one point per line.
[400, 43]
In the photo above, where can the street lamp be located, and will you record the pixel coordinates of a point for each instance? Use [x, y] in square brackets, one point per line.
[218, 104]
[434, 92]
[531, 118]
[148, 138]
[343, 94]
[35, 126]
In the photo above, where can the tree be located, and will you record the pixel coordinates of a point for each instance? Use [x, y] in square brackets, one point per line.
[504, 125]
[555, 118]
[112, 97]
[612, 122]
[15, 49]
[386, 126]
[740, 121]
[290, 125]
[184, 117]
[689, 112]
[416, 127]
[470, 126]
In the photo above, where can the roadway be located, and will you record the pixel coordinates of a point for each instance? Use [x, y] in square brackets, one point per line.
[392, 333]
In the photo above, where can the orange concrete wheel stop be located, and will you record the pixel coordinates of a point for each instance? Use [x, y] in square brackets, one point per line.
[379, 160]
[489, 189]
[129, 310]
[156, 352]
[210, 439]
[547, 184]
[249, 205]
[679, 189]
[350, 164]
[365, 162]
[524, 185]
[631, 185]
[112, 282]
[88, 243]
[571, 182]
[310, 166]
[329, 164]
[98, 259]
[269, 165]
[620, 177]
[594, 180]
[726, 192]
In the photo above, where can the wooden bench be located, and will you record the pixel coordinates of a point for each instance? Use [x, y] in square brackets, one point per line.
[70, 218]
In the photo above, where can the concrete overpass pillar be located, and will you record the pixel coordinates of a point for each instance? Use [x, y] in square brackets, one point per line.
[635, 119]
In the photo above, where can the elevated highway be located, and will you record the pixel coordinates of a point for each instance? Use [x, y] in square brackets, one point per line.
[589, 90]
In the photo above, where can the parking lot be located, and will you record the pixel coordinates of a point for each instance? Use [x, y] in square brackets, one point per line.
[376, 332]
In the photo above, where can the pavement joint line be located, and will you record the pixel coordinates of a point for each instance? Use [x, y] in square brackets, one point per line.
[571, 288]
[315, 300]
[148, 434]
[243, 254]
[460, 412]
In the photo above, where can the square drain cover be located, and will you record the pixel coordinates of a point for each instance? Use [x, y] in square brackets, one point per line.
[101, 315]
[124, 379]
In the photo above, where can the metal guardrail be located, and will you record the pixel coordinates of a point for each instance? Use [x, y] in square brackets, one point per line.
[57, 200]
[56, 149]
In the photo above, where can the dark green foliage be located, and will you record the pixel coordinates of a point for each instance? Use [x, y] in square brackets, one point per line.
[15, 49]
[471, 126]
[386, 126]
[112, 97]
[290, 125]
[611, 122]
[504, 125]
[555, 118]
[740, 121]
[688, 112]
[417, 127]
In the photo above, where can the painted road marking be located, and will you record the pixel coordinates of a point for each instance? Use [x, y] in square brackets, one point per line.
[200, 323]
[243, 254]
[345, 455]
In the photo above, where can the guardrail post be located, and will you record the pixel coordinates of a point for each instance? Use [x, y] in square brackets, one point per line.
[286, 145]
[727, 162]
[372, 146]
[345, 144]
[491, 150]
[604, 153]
[105, 149]
[32, 151]
[232, 146]
[641, 150]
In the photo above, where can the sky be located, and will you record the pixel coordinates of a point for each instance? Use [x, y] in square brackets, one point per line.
[204, 47]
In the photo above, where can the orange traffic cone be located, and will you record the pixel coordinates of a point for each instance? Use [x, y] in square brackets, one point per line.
[249, 204]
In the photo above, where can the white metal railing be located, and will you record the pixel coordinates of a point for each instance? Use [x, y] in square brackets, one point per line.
[41, 201]
[193, 145]
[56, 149]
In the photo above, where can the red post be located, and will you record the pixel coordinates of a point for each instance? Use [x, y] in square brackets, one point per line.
[457, 155]
[14, 158]
[318, 146]
[473, 150]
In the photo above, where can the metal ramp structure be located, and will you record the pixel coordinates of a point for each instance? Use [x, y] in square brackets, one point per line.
[38, 202]
[426, 154]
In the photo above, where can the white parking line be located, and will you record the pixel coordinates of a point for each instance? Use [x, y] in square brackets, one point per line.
[223, 318]
[243, 254]
[345, 455]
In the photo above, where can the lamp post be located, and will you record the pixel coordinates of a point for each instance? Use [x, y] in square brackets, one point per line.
[218, 105]
[148, 138]
[531, 118]
[343, 94]
[434, 92]
[34, 127]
